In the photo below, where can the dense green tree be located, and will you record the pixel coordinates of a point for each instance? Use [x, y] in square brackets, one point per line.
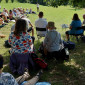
[23, 1]
[55, 3]
[0, 1]
[6, 1]
[12, 1]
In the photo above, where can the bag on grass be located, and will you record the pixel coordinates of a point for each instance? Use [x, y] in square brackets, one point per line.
[83, 38]
[70, 45]
[41, 48]
[64, 53]
[41, 63]
[7, 44]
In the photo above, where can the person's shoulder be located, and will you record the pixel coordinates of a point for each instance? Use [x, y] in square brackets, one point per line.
[37, 20]
[26, 19]
[5, 74]
[43, 19]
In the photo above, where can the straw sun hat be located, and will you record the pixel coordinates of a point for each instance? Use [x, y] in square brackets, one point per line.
[51, 25]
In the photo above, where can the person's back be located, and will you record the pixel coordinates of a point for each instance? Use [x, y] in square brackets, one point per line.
[41, 23]
[20, 44]
[20, 40]
[7, 79]
[53, 41]
[75, 24]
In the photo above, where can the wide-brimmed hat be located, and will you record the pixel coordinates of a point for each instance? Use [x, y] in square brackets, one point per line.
[51, 25]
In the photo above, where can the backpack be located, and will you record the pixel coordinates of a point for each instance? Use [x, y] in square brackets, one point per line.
[41, 63]
[83, 38]
[7, 44]
[70, 45]
[64, 54]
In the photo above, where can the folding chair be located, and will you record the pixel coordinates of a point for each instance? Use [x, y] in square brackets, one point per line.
[41, 32]
[81, 34]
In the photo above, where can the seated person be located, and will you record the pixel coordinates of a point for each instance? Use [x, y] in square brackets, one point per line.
[83, 20]
[14, 12]
[31, 12]
[76, 22]
[8, 79]
[6, 13]
[41, 23]
[4, 17]
[28, 23]
[10, 15]
[53, 42]
[1, 21]
[21, 45]
[27, 11]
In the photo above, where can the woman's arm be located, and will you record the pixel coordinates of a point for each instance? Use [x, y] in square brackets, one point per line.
[70, 27]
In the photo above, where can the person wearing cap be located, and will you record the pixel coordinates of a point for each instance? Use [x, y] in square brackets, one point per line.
[8, 79]
[52, 42]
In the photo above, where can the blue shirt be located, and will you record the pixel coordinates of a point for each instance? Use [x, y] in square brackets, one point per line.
[7, 79]
[75, 24]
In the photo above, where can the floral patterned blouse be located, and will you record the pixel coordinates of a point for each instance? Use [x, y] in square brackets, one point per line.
[20, 44]
[7, 79]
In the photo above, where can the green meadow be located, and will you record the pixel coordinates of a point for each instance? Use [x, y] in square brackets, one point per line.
[68, 73]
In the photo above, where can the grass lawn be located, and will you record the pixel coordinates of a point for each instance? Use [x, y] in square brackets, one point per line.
[68, 73]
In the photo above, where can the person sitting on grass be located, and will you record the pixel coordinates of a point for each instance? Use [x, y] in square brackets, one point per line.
[52, 43]
[21, 46]
[8, 79]
[29, 26]
[76, 22]
[11, 15]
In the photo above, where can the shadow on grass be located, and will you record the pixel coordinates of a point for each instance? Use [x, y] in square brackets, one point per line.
[6, 56]
[61, 74]
[75, 9]
[67, 73]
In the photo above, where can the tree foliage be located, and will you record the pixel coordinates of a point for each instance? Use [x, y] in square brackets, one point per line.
[6, 1]
[56, 3]
[12, 1]
[0, 1]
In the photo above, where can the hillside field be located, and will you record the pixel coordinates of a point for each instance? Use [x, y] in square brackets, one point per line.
[68, 73]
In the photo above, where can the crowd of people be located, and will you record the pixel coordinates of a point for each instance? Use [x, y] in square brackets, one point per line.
[6, 15]
[22, 51]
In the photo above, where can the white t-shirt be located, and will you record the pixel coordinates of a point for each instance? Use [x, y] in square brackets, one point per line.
[37, 5]
[27, 22]
[5, 13]
[41, 23]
